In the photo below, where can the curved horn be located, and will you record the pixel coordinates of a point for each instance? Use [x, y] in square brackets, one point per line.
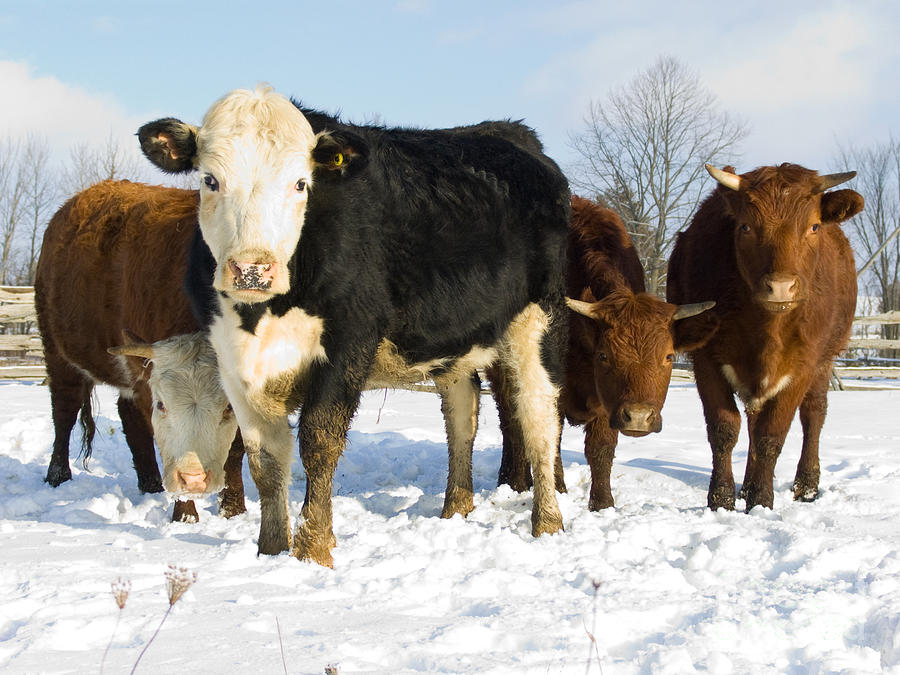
[581, 307]
[729, 180]
[144, 351]
[684, 311]
[828, 181]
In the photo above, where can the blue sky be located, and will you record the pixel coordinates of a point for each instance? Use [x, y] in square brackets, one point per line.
[803, 75]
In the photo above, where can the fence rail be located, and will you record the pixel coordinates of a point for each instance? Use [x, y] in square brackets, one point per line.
[17, 308]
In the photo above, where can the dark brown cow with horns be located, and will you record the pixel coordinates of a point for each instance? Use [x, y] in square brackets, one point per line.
[767, 246]
[622, 343]
[113, 260]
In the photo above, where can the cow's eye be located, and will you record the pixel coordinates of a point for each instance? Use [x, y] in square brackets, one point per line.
[814, 228]
[601, 356]
[228, 413]
[210, 182]
[300, 186]
[670, 358]
[161, 406]
[745, 228]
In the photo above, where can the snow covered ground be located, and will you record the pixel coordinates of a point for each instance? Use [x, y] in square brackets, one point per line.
[664, 585]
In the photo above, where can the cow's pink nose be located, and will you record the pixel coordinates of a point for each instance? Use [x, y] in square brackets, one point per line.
[781, 290]
[194, 481]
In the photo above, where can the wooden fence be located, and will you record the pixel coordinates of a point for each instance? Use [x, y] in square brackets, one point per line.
[21, 352]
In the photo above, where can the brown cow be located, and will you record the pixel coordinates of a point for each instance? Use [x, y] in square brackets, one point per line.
[621, 349]
[768, 248]
[113, 260]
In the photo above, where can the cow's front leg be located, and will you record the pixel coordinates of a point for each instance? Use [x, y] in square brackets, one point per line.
[767, 434]
[812, 418]
[323, 435]
[459, 404]
[599, 449]
[269, 450]
[723, 423]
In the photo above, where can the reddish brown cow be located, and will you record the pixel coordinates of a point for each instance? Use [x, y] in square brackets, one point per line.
[768, 248]
[621, 348]
[113, 260]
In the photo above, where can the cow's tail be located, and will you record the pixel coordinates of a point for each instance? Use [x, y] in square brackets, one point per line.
[88, 428]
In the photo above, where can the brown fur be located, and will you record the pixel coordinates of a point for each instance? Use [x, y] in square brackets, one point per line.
[114, 258]
[619, 360]
[776, 361]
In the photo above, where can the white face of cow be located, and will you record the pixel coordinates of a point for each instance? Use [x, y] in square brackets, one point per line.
[254, 153]
[193, 424]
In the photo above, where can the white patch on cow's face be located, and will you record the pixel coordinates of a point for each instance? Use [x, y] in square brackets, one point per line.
[254, 157]
[280, 348]
[754, 403]
[192, 421]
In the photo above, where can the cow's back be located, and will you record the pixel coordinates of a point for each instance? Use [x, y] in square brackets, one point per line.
[601, 255]
[114, 258]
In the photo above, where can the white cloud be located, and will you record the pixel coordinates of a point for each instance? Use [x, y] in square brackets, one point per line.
[63, 114]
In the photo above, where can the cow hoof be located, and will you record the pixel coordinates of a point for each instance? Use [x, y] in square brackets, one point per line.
[56, 476]
[458, 501]
[312, 548]
[600, 503]
[561, 485]
[185, 512]
[231, 504]
[764, 498]
[546, 524]
[805, 494]
[150, 485]
[721, 498]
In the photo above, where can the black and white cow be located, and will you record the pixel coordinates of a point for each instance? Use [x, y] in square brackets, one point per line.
[363, 256]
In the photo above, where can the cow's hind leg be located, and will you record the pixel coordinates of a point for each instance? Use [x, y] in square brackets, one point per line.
[532, 360]
[514, 468]
[139, 436]
[812, 416]
[69, 392]
[459, 404]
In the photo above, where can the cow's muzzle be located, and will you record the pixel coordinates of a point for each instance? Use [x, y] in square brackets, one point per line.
[251, 276]
[637, 419]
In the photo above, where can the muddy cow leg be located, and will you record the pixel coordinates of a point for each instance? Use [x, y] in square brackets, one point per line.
[600, 448]
[531, 339]
[766, 440]
[231, 497]
[69, 390]
[459, 405]
[723, 423]
[323, 436]
[812, 417]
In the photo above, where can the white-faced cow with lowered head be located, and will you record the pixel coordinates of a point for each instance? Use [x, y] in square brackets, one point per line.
[767, 246]
[112, 266]
[351, 254]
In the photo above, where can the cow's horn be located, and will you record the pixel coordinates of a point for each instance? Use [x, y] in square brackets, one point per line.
[684, 311]
[581, 307]
[828, 181]
[729, 180]
[144, 351]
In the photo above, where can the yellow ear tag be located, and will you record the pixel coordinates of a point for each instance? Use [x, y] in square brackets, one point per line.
[338, 159]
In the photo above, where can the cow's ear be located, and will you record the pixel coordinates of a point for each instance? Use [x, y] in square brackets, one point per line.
[839, 205]
[339, 153]
[170, 144]
[695, 331]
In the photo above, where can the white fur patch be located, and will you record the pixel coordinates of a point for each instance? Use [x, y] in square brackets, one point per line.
[280, 345]
[754, 403]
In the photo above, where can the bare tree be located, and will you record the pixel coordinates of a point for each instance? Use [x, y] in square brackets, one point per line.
[12, 202]
[40, 199]
[643, 153]
[875, 231]
[89, 164]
